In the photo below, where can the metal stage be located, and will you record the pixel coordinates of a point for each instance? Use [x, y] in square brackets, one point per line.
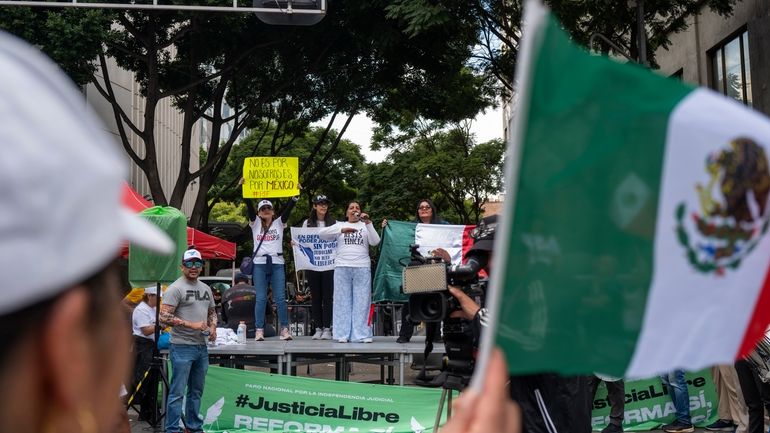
[284, 356]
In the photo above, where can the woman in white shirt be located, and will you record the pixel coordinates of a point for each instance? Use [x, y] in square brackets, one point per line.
[352, 275]
[267, 230]
[321, 282]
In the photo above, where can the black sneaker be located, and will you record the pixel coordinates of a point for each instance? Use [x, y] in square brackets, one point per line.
[613, 428]
[678, 427]
[721, 425]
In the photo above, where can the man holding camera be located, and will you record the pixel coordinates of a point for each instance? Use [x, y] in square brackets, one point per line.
[547, 401]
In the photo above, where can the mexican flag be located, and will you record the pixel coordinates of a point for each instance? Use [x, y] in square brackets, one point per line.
[635, 233]
[394, 252]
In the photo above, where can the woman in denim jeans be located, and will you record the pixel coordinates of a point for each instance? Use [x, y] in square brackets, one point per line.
[352, 275]
[267, 233]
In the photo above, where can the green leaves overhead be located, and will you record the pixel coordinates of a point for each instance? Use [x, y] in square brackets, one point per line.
[236, 73]
[444, 164]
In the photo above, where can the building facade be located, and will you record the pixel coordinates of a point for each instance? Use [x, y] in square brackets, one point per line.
[168, 133]
[728, 54]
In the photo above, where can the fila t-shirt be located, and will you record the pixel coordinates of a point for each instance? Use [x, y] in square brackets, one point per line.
[192, 301]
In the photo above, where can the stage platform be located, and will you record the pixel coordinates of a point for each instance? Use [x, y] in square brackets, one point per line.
[284, 356]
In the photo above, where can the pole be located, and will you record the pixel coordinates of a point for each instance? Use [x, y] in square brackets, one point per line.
[157, 376]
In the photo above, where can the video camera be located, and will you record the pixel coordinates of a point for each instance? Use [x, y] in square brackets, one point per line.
[425, 280]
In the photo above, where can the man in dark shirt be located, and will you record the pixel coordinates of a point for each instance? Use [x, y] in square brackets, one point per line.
[238, 304]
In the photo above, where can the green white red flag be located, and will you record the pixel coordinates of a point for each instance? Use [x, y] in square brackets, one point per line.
[394, 252]
[634, 234]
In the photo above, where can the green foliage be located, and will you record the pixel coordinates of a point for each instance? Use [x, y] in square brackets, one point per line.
[614, 19]
[228, 212]
[71, 37]
[373, 56]
[340, 173]
[446, 165]
[419, 15]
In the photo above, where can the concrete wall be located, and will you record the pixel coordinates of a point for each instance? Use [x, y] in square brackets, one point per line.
[689, 49]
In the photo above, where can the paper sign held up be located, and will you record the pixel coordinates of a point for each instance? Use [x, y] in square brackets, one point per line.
[270, 177]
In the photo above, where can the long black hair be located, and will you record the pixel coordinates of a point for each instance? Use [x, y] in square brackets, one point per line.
[312, 221]
[434, 216]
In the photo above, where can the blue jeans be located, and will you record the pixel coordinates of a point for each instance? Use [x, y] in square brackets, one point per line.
[677, 390]
[352, 298]
[189, 363]
[277, 280]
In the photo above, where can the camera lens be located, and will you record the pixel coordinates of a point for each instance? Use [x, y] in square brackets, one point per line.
[432, 307]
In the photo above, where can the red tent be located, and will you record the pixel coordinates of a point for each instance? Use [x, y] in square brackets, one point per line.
[211, 247]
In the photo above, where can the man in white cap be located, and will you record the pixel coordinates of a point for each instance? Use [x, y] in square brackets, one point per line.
[188, 306]
[65, 343]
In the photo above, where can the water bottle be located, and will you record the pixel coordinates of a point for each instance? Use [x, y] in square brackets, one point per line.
[242, 332]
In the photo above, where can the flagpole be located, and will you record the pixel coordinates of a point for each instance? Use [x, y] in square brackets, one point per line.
[534, 16]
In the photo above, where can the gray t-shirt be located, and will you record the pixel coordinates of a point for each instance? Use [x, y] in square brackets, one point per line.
[192, 302]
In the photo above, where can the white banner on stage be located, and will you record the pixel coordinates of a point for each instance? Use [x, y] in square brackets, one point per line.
[310, 251]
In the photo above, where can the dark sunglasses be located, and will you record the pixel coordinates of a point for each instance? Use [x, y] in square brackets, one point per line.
[265, 208]
[192, 264]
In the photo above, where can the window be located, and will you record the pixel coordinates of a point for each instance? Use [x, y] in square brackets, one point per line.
[731, 70]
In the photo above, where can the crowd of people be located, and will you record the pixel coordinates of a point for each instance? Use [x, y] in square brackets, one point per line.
[340, 309]
[65, 346]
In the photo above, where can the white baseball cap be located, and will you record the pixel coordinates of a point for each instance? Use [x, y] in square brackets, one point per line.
[264, 203]
[151, 290]
[61, 179]
[192, 255]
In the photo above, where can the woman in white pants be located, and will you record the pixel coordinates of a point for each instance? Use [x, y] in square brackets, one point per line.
[352, 275]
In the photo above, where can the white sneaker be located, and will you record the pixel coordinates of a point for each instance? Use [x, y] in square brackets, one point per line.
[367, 340]
[342, 340]
[318, 334]
[326, 334]
[259, 335]
[285, 334]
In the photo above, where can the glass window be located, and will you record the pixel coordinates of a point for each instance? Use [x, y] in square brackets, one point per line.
[733, 74]
[747, 68]
[730, 69]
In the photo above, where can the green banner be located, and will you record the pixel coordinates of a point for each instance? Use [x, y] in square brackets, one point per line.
[238, 400]
[648, 404]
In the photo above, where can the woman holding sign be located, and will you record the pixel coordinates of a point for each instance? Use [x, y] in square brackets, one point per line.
[352, 275]
[267, 230]
[321, 282]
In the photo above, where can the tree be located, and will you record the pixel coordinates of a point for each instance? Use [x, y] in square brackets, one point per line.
[343, 169]
[616, 20]
[444, 164]
[228, 212]
[357, 59]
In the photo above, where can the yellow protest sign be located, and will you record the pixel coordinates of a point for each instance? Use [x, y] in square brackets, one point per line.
[268, 177]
